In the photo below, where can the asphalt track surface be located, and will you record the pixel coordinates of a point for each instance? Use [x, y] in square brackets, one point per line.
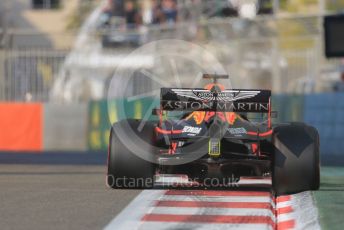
[57, 191]
[67, 191]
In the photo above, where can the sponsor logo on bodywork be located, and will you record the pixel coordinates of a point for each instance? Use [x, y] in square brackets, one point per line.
[191, 130]
[237, 131]
[212, 106]
[225, 95]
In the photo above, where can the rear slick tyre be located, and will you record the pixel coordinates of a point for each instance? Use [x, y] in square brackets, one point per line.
[125, 169]
[296, 165]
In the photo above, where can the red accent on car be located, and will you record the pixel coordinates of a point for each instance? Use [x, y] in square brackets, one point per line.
[221, 116]
[164, 131]
[173, 147]
[231, 117]
[254, 147]
[212, 85]
[198, 116]
[209, 115]
[268, 133]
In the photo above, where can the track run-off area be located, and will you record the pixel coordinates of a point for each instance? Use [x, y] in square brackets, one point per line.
[68, 191]
[209, 209]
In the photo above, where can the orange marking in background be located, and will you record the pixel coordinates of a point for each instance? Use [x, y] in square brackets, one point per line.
[21, 126]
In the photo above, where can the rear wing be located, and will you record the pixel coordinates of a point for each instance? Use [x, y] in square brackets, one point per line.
[231, 100]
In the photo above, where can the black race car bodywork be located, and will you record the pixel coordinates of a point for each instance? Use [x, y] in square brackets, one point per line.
[214, 139]
[223, 143]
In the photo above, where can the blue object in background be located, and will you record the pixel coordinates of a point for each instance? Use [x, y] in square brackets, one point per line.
[325, 111]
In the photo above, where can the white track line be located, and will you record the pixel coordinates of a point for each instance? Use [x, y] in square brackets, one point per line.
[130, 217]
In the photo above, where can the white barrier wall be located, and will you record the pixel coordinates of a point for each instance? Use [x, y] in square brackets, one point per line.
[65, 127]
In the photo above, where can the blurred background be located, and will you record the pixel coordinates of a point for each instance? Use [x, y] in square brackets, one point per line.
[57, 59]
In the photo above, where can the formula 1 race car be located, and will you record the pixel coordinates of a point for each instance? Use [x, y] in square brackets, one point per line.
[213, 138]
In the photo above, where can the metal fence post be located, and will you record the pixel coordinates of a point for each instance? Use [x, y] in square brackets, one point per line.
[275, 60]
[2, 74]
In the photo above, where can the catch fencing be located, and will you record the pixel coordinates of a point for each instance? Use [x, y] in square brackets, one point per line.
[29, 75]
[279, 53]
